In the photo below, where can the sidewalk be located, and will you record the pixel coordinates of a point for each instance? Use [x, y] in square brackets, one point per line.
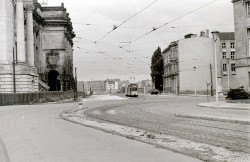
[225, 105]
[231, 116]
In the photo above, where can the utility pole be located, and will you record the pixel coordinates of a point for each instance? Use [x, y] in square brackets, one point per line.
[215, 65]
[76, 93]
[194, 80]
[211, 77]
[228, 84]
[14, 71]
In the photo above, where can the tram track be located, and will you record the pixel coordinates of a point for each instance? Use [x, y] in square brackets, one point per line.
[186, 133]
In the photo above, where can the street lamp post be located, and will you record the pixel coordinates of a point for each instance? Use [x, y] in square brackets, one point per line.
[194, 80]
[215, 33]
[228, 84]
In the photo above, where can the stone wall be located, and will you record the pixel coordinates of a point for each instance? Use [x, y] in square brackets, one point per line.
[195, 52]
[242, 22]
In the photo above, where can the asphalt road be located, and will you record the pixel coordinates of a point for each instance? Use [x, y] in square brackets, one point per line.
[158, 114]
[36, 133]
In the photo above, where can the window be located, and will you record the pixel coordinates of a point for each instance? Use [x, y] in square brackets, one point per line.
[232, 45]
[233, 67]
[224, 67]
[248, 8]
[232, 55]
[223, 45]
[224, 55]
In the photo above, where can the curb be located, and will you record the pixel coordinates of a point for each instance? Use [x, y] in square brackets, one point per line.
[196, 156]
[246, 122]
[3, 152]
[223, 107]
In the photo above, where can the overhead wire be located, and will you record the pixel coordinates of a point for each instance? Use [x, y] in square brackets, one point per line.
[157, 28]
[116, 27]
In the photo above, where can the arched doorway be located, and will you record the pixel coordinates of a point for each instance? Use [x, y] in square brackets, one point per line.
[54, 83]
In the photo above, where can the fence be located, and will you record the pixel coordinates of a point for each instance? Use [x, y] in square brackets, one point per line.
[38, 97]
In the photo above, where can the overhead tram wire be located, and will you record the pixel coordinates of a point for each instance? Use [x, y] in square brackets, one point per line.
[116, 27]
[156, 28]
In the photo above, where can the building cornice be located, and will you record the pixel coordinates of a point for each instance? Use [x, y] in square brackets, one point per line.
[243, 1]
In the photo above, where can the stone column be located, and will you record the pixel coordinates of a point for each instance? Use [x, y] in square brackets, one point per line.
[20, 32]
[30, 36]
[3, 30]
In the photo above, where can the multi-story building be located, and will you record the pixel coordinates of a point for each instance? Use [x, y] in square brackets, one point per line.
[111, 86]
[97, 87]
[35, 47]
[187, 64]
[145, 86]
[171, 69]
[226, 61]
[242, 42]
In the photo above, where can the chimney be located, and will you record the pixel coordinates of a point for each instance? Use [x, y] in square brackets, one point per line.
[207, 33]
[62, 4]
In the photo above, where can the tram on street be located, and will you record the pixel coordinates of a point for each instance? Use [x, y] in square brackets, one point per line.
[131, 90]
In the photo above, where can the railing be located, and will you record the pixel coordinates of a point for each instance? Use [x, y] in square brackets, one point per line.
[31, 98]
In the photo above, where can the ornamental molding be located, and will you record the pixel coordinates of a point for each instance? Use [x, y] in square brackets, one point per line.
[52, 58]
[30, 7]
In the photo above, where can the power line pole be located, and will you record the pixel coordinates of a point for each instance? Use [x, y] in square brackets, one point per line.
[14, 71]
[76, 93]
[211, 77]
[215, 66]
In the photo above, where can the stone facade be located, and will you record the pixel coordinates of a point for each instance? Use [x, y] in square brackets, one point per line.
[242, 39]
[187, 65]
[171, 69]
[226, 60]
[35, 47]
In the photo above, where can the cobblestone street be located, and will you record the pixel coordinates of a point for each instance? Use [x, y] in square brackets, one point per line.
[158, 114]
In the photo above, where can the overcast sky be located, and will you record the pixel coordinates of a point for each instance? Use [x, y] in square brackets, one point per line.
[109, 57]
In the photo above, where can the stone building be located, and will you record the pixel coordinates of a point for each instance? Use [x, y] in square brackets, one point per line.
[242, 42]
[35, 47]
[171, 69]
[226, 61]
[187, 64]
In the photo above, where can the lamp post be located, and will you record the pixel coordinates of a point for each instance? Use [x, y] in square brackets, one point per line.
[215, 33]
[228, 84]
[194, 80]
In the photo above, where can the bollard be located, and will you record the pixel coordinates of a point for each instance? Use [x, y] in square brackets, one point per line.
[80, 105]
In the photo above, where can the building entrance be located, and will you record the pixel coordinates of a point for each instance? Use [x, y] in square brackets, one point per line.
[54, 82]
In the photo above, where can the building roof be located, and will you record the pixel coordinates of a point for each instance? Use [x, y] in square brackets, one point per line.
[172, 44]
[227, 36]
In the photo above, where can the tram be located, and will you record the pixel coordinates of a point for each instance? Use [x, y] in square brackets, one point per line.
[131, 90]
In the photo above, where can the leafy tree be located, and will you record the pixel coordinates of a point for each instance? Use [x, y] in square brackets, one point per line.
[157, 69]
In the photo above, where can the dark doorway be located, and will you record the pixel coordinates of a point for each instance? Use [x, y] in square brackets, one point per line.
[54, 83]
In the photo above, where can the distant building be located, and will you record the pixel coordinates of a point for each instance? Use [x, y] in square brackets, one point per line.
[242, 42]
[97, 87]
[111, 86]
[145, 85]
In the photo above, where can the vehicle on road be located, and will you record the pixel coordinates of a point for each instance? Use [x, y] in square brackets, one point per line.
[131, 90]
[155, 92]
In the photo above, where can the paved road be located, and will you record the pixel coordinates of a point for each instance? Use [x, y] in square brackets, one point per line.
[37, 133]
[158, 113]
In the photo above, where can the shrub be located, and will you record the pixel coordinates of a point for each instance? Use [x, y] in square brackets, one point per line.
[238, 93]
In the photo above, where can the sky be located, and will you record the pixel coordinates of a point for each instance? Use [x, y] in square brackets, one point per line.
[102, 53]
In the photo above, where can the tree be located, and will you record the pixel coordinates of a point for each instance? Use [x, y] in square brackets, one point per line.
[157, 69]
